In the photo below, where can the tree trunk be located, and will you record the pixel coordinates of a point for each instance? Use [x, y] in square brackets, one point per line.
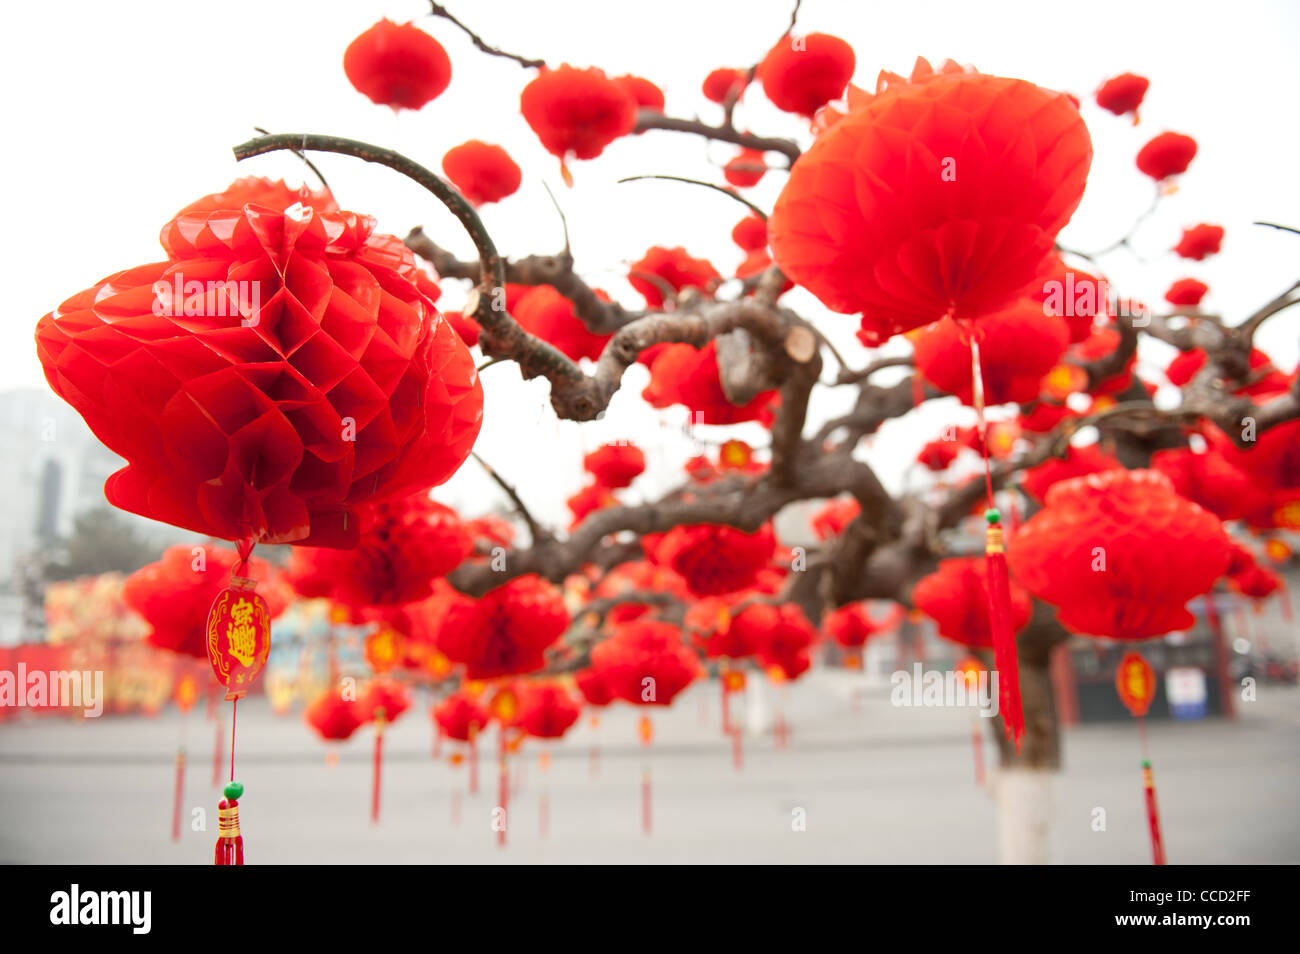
[1024, 786]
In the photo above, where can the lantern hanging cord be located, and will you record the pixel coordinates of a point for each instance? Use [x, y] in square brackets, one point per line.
[234, 714]
[977, 398]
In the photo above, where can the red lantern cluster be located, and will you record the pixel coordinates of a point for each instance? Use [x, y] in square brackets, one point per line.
[671, 267]
[683, 374]
[550, 316]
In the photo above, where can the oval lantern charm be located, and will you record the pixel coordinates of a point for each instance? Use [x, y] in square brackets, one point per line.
[238, 636]
[1136, 682]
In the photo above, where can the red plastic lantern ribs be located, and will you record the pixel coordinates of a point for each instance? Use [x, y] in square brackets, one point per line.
[714, 559]
[938, 196]
[276, 372]
[1119, 554]
[481, 171]
[506, 631]
[801, 74]
[397, 65]
[956, 597]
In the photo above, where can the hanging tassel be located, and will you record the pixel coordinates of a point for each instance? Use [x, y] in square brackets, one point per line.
[1005, 660]
[646, 730]
[230, 843]
[1153, 814]
[180, 794]
[503, 786]
[999, 582]
[380, 718]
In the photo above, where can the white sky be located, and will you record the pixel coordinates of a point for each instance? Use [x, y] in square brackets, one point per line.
[118, 114]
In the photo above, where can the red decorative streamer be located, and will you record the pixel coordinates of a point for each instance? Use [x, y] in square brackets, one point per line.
[180, 794]
[378, 766]
[1153, 814]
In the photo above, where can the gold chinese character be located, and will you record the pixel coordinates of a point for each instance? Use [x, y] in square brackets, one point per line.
[241, 634]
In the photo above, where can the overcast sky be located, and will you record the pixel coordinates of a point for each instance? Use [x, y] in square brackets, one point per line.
[118, 114]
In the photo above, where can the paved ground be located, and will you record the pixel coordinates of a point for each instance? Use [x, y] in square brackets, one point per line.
[880, 784]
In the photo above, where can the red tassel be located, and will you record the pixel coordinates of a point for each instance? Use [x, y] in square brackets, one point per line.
[230, 843]
[1153, 814]
[179, 794]
[1005, 660]
[378, 766]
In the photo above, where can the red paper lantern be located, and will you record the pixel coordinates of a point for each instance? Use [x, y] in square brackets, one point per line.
[750, 233]
[577, 112]
[547, 709]
[831, 520]
[781, 635]
[595, 496]
[175, 594]
[406, 543]
[275, 373]
[746, 168]
[333, 717]
[646, 663]
[956, 597]
[724, 82]
[1123, 94]
[461, 717]
[1200, 241]
[850, 626]
[547, 314]
[615, 465]
[1088, 459]
[1168, 154]
[1272, 458]
[803, 74]
[938, 455]
[506, 631]
[1018, 346]
[644, 93]
[938, 196]
[1073, 294]
[683, 374]
[594, 687]
[397, 65]
[1119, 554]
[1186, 292]
[384, 700]
[1209, 480]
[482, 172]
[713, 559]
[673, 267]
[1102, 342]
[255, 190]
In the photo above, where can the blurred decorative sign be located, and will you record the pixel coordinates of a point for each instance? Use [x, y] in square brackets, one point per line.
[1185, 688]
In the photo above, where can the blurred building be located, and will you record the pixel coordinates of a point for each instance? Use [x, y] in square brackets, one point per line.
[53, 470]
